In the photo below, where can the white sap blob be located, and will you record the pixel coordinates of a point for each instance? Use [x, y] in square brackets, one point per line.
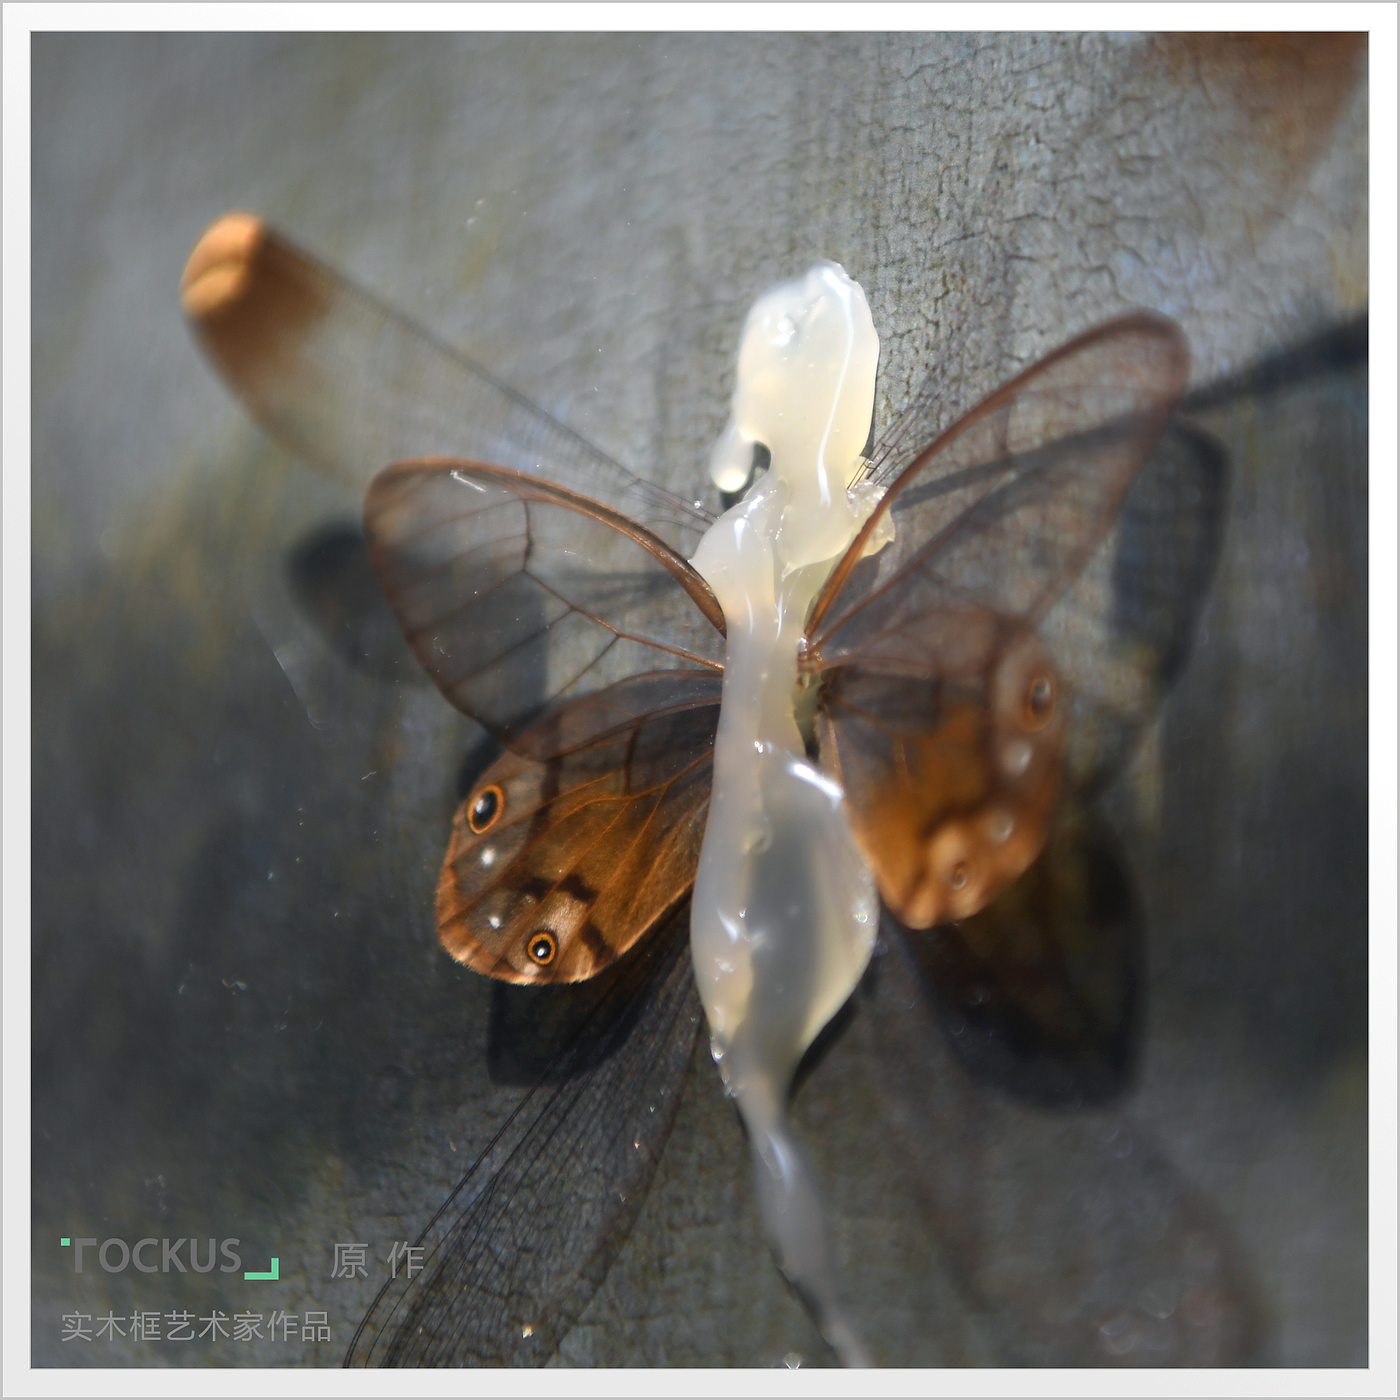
[785, 911]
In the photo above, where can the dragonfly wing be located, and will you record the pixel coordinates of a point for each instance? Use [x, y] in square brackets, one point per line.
[348, 384]
[515, 593]
[1072, 1234]
[560, 862]
[520, 1247]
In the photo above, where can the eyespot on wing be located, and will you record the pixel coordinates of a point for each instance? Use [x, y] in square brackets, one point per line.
[558, 864]
[951, 782]
[543, 946]
[485, 807]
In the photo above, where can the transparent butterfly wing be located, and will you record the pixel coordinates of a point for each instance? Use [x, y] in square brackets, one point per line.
[1003, 509]
[348, 384]
[1060, 505]
[515, 593]
[590, 841]
[933, 648]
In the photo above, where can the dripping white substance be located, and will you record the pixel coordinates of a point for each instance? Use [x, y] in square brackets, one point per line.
[785, 911]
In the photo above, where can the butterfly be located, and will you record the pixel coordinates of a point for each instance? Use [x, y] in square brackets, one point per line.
[968, 680]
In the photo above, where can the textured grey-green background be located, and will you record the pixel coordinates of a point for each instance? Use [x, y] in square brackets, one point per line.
[242, 1023]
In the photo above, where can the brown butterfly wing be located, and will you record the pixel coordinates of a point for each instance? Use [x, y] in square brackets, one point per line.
[942, 711]
[347, 384]
[561, 861]
[515, 593]
[950, 779]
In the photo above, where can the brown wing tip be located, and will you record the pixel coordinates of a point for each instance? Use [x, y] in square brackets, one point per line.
[219, 268]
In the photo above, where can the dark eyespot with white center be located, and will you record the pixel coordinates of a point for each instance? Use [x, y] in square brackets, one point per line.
[486, 809]
[542, 947]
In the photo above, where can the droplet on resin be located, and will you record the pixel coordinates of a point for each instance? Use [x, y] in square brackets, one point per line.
[731, 460]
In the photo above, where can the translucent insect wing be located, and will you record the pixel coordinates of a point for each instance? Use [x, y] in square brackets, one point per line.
[348, 384]
[941, 710]
[558, 864]
[1074, 1237]
[515, 594]
[1004, 508]
[520, 1247]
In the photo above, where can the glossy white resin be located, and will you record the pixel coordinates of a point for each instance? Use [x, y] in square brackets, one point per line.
[785, 911]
